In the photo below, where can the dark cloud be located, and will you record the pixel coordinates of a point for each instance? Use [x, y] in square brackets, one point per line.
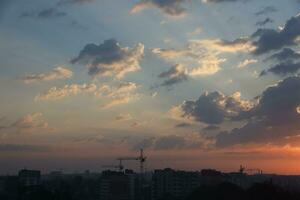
[283, 69]
[183, 125]
[270, 39]
[68, 2]
[172, 8]
[289, 63]
[109, 58]
[174, 75]
[223, 1]
[286, 54]
[264, 22]
[211, 128]
[275, 118]
[266, 10]
[169, 7]
[213, 108]
[48, 13]
[23, 148]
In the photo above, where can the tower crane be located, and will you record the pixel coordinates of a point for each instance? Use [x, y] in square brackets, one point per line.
[120, 166]
[141, 159]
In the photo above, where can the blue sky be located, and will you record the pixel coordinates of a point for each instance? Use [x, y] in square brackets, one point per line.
[172, 77]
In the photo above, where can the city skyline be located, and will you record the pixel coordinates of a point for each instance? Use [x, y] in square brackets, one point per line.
[196, 83]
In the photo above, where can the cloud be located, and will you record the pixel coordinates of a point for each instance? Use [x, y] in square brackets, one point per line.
[264, 22]
[289, 63]
[183, 125]
[270, 39]
[27, 124]
[23, 148]
[209, 66]
[225, 46]
[171, 142]
[222, 1]
[48, 13]
[110, 59]
[123, 93]
[247, 62]
[68, 90]
[173, 8]
[266, 10]
[31, 121]
[170, 7]
[123, 117]
[174, 75]
[202, 55]
[285, 54]
[269, 120]
[213, 108]
[211, 128]
[195, 32]
[57, 73]
[72, 2]
[283, 69]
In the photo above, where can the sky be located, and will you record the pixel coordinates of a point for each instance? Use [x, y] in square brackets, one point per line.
[195, 83]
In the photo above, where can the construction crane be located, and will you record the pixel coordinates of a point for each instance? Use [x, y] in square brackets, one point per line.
[141, 158]
[120, 166]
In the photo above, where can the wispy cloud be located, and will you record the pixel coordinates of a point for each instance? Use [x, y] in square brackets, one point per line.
[57, 73]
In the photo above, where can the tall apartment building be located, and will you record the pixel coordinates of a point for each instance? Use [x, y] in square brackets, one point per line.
[118, 185]
[175, 184]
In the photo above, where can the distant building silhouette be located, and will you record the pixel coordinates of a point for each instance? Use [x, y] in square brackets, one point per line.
[118, 185]
[29, 178]
[174, 184]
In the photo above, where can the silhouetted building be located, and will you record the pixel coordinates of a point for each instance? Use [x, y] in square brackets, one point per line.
[211, 177]
[173, 184]
[118, 185]
[29, 177]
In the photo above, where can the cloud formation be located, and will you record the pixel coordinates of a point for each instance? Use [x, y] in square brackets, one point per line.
[29, 124]
[123, 93]
[276, 112]
[172, 142]
[289, 63]
[55, 93]
[268, 20]
[172, 8]
[176, 74]
[71, 2]
[222, 1]
[213, 108]
[200, 56]
[48, 13]
[110, 59]
[285, 54]
[57, 73]
[123, 117]
[247, 62]
[226, 46]
[283, 69]
[268, 40]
